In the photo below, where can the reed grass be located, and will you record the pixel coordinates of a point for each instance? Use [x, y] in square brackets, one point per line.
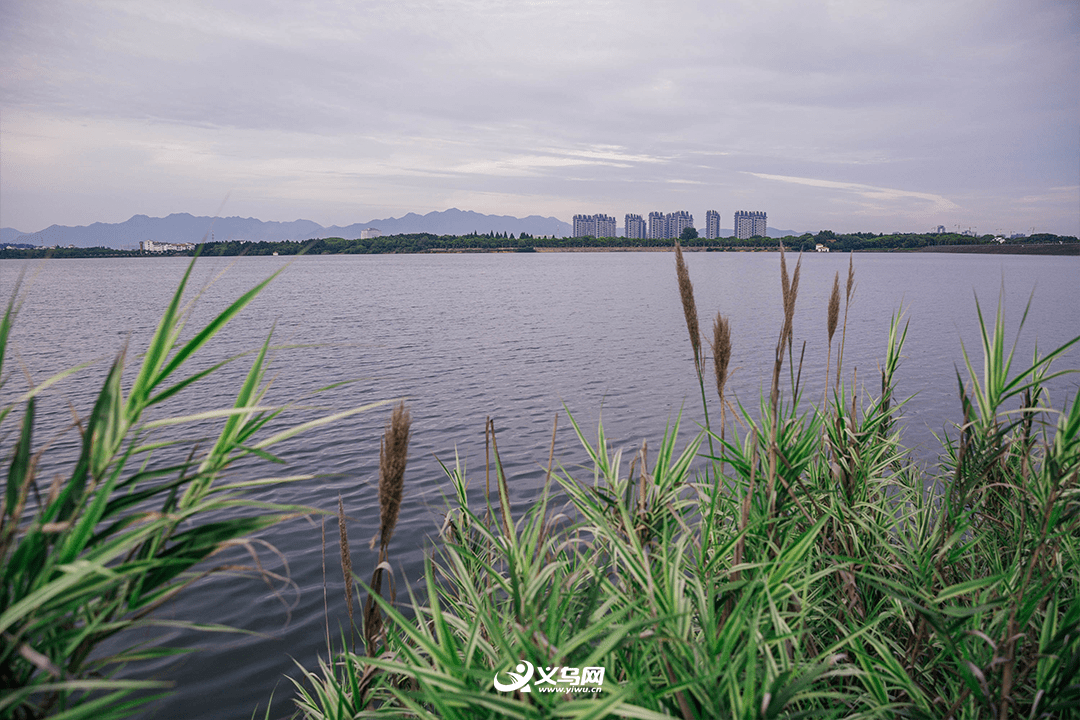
[825, 574]
[89, 555]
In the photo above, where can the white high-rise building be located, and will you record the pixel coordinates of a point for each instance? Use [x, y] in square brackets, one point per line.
[670, 226]
[657, 226]
[712, 225]
[750, 224]
[635, 227]
[605, 226]
[677, 222]
[594, 226]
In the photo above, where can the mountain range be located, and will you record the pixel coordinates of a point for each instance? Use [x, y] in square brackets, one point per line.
[185, 228]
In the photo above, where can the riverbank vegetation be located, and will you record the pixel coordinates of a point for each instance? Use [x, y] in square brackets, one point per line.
[503, 242]
[127, 514]
[809, 567]
[792, 559]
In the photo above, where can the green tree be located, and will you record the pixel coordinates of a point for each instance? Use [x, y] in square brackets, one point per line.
[689, 234]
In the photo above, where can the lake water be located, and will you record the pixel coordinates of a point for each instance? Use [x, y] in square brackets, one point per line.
[464, 337]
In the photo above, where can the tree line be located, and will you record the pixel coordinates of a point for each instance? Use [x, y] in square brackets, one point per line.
[506, 242]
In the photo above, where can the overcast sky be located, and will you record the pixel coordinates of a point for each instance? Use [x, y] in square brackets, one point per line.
[846, 115]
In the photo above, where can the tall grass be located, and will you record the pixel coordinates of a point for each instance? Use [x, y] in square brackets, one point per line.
[823, 574]
[89, 555]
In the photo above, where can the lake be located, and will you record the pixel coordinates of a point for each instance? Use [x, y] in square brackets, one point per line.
[514, 337]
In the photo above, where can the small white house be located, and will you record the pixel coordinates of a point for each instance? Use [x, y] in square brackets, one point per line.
[821, 248]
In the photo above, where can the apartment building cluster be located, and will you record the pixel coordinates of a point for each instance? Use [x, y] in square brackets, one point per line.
[666, 226]
[750, 224]
[594, 226]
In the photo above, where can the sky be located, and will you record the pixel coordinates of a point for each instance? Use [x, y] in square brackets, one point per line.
[848, 115]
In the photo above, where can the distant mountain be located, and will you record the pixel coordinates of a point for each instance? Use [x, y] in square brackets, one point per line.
[176, 228]
[183, 227]
[9, 235]
[457, 222]
[773, 232]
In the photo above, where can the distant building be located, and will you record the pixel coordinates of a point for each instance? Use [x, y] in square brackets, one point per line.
[821, 248]
[940, 229]
[599, 226]
[635, 227]
[605, 226]
[370, 233]
[677, 222]
[149, 246]
[657, 226]
[712, 225]
[750, 224]
[670, 226]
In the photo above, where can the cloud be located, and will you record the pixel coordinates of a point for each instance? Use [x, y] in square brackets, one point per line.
[1068, 194]
[937, 203]
[574, 102]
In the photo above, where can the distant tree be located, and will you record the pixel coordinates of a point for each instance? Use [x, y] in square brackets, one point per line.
[689, 234]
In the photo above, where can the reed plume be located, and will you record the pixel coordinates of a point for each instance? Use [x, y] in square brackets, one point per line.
[721, 349]
[393, 455]
[686, 294]
[790, 289]
[834, 306]
[833, 317]
[849, 291]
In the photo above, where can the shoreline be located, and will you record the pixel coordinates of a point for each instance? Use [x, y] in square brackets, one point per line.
[1047, 249]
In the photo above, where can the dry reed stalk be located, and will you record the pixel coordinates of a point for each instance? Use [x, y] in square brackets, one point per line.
[500, 478]
[487, 462]
[393, 456]
[790, 289]
[740, 544]
[346, 560]
[643, 482]
[373, 623]
[849, 291]
[643, 491]
[686, 294]
[831, 320]
[744, 517]
[326, 603]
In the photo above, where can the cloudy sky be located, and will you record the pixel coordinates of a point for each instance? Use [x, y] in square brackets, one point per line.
[876, 115]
